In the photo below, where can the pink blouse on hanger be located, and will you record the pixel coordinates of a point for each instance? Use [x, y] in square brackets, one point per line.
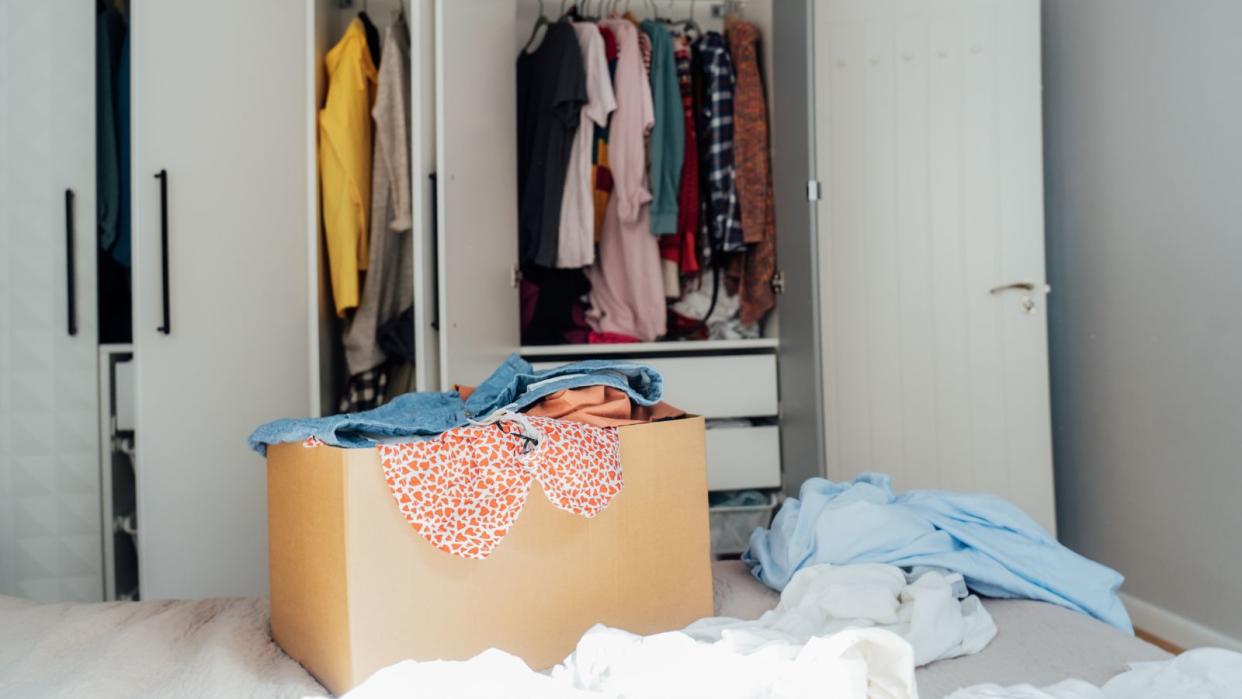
[627, 290]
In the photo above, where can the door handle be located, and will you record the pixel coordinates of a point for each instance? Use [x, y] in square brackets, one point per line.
[162, 176]
[71, 266]
[1028, 289]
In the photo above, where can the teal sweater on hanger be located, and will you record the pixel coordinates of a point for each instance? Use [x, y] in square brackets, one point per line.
[668, 138]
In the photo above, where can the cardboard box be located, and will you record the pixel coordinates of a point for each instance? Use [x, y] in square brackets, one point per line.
[354, 588]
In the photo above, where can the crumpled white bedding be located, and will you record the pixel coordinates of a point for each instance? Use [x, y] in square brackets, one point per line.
[213, 647]
[1203, 673]
[859, 663]
[934, 613]
[839, 631]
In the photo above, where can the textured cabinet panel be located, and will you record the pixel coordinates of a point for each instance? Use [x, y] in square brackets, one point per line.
[49, 464]
[220, 93]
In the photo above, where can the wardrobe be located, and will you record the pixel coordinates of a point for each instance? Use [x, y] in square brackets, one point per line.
[909, 337]
[223, 291]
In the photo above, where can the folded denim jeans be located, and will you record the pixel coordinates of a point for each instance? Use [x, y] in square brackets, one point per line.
[513, 386]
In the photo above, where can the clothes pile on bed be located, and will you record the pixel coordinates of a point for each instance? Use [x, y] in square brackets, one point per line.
[836, 629]
[872, 583]
[998, 549]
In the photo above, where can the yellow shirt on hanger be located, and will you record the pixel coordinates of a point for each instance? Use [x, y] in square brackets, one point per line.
[345, 162]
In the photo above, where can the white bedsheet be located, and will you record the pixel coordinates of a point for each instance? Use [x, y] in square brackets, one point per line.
[1203, 673]
[841, 631]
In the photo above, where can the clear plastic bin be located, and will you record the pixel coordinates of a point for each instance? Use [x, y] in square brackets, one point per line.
[732, 526]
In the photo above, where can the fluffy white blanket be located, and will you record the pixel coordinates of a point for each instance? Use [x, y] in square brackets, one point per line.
[215, 647]
[851, 632]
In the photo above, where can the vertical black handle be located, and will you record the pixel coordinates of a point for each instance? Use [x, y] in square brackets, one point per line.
[162, 176]
[435, 250]
[71, 266]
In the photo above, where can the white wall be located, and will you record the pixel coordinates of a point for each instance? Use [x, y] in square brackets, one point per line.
[1143, 128]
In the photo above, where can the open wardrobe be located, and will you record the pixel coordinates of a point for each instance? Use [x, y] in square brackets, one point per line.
[820, 221]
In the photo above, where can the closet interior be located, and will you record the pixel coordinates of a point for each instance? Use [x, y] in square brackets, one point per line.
[662, 104]
[113, 233]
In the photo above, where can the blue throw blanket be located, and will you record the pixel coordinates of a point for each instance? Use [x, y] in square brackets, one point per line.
[998, 549]
[513, 386]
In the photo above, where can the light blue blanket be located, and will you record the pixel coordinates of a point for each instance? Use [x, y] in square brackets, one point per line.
[998, 549]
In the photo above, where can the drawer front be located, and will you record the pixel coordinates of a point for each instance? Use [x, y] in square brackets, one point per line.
[715, 387]
[743, 457]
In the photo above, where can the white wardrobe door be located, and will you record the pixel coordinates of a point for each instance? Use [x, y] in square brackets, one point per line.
[476, 124]
[421, 14]
[50, 545]
[220, 92]
[929, 146]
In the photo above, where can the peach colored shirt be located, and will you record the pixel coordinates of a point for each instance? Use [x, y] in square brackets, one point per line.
[627, 286]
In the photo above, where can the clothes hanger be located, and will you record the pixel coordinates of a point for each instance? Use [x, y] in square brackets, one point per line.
[689, 23]
[541, 21]
[655, 13]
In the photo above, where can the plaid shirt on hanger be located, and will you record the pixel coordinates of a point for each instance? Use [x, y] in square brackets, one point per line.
[716, 128]
[365, 390]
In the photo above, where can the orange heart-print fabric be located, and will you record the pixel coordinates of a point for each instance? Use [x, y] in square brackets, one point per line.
[463, 490]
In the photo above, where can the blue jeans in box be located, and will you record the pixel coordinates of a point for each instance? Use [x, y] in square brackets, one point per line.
[513, 386]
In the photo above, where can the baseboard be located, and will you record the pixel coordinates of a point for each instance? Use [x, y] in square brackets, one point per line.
[1175, 628]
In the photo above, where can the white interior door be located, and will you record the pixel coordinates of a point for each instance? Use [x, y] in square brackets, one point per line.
[220, 92]
[476, 126]
[929, 146]
[50, 539]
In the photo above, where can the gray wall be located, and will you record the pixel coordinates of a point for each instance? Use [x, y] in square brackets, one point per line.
[1143, 129]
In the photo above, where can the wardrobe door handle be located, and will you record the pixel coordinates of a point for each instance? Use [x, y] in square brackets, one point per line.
[71, 266]
[162, 176]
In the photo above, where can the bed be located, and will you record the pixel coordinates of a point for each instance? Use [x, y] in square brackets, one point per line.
[221, 647]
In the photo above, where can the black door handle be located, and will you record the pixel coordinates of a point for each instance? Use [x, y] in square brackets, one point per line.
[162, 176]
[70, 266]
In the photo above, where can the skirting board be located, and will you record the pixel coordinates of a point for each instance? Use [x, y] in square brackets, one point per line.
[1175, 628]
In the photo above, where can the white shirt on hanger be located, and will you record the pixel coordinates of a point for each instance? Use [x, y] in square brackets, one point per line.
[576, 240]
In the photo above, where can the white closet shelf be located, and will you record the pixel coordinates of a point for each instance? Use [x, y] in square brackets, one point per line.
[625, 348]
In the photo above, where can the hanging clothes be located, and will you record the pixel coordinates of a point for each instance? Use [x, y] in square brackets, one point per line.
[345, 162]
[373, 37]
[668, 136]
[114, 304]
[551, 91]
[601, 174]
[576, 247]
[389, 286]
[124, 223]
[716, 128]
[679, 252]
[754, 270]
[627, 294]
[110, 33]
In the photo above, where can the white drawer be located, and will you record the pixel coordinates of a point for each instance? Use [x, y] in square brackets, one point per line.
[743, 457]
[740, 385]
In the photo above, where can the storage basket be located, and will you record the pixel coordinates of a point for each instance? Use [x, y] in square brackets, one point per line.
[733, 525]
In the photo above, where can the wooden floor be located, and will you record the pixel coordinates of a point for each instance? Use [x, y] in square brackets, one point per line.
[1158, 642]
